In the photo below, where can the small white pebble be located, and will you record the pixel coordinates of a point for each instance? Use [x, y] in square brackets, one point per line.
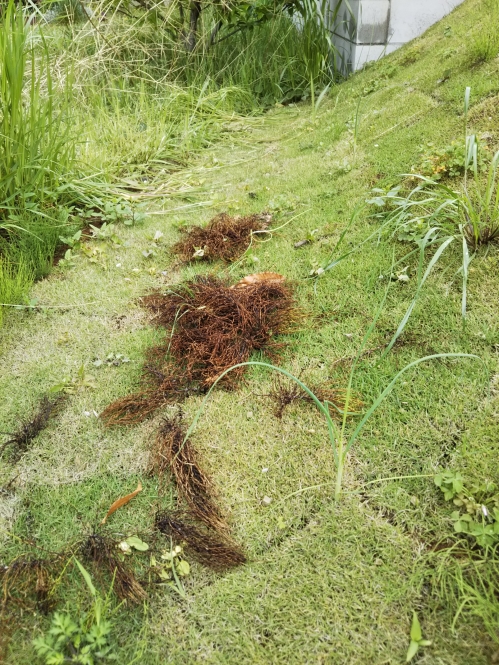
[118, 265]
[265, 469]
[266, 500]
[249, 414]
[376, 145]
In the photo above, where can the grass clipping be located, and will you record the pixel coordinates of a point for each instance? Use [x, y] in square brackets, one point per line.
[224, 238]
[211, 327]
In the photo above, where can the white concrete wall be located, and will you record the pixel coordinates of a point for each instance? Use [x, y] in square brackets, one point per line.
[379, 27]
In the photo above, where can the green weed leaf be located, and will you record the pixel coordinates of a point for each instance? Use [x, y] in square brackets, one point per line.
[416, 634]
[137, 543]
[411, 651]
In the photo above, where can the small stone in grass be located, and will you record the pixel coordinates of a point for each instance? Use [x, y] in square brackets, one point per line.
[266, 500]
[249, 415]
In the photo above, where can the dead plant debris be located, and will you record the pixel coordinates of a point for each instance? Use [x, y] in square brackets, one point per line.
[103, 552]
[29, 429]
[174, 453]
[122, 501]
[29, 577]
[284, 393]
[211, 549]
[224, 238]
[211, 327]
[259, 278]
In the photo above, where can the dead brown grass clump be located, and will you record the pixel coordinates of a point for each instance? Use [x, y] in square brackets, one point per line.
[29, 429]
[224, 238]
[212, 327]
[103, 553]
[285, 393]
[216, 551]
[172, 452]
[29, 578]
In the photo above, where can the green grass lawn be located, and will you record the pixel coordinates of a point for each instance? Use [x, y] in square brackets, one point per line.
[326, 581]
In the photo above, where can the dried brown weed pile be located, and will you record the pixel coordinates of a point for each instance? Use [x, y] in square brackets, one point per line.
[224, 238]
[104, 554]
[211, 327]
[30, 577]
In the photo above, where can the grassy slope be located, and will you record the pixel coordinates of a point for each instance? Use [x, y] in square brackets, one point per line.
[339, 583]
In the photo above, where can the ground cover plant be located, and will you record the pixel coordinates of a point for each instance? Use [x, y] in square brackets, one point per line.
[413, 534]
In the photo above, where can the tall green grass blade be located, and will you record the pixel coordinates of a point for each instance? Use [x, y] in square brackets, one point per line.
[421, 281]
[86, 576]
[392, 384]
[466, 262]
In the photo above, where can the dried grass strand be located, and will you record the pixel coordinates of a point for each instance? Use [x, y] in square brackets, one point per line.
[284, 394]
[102, 552]
[29, 429]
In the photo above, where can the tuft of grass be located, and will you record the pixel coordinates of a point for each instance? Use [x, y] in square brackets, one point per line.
[484, 44]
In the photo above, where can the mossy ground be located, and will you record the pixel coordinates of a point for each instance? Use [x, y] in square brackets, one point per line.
[327, 582]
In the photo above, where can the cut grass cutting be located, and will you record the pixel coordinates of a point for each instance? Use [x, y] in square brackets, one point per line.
[359, 526]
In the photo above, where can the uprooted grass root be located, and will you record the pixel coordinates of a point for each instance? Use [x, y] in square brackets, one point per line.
[28, 578]
[285, 393]
[29, 429]
[103, 553]
[211, 327]
[224, 238]
[172, 452]
[213, 550]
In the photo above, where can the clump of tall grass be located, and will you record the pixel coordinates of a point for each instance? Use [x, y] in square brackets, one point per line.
[35, 146]
[436, 212]
[36, 154]
[484, 44]
[340, 439]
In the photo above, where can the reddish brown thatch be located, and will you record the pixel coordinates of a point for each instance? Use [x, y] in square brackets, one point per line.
[211, 327]
[211, 549]
[224, 238]
[174, 453]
